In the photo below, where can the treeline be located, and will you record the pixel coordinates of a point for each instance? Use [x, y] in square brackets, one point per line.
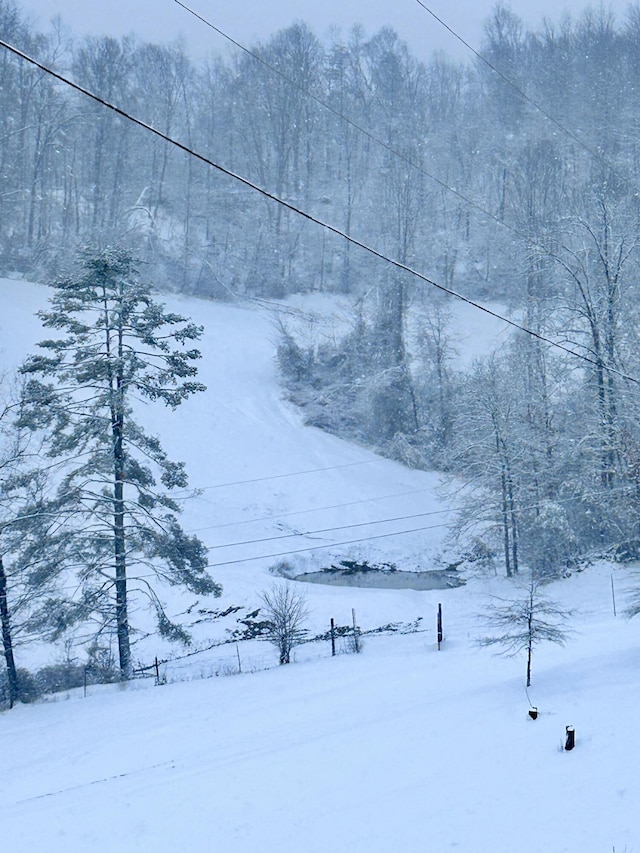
[292, 120]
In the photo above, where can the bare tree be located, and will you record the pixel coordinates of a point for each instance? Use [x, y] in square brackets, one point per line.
[286, 612]
[524, 622]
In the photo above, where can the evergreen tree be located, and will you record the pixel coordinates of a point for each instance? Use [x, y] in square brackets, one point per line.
[118, 345]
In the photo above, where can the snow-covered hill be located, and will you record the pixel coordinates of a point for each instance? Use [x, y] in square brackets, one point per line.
[399, 748]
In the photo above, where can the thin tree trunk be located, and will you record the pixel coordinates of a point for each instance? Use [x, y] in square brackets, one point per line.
[505, 526]
[530, 634]
[514, 524]
[119, 542]
[124, 648]
[7, 641]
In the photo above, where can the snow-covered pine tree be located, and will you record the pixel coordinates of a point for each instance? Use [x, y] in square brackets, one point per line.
[117, 344]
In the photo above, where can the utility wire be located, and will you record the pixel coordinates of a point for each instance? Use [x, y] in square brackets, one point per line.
[281, 476]
[330, 529]
[328, 545]
[451, 510]
[307, 511]
[309, 217]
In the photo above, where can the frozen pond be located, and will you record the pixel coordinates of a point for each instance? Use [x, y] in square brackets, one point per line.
[380, 579]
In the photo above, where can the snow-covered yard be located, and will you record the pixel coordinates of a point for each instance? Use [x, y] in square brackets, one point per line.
[402, 747]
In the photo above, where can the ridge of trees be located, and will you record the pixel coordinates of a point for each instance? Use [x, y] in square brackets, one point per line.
[74, 174]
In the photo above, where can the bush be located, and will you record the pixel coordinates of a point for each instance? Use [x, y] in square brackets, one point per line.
[285, 612]
[28, 688]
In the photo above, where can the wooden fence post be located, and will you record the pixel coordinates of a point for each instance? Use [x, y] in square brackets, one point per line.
[571, 738]
[333, 638]
[613, 596]
[356, 640]
[440, 634]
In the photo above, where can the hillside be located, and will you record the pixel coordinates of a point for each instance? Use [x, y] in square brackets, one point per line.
[399, 748]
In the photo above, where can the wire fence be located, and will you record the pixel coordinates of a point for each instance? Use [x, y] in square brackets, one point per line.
[256, 654]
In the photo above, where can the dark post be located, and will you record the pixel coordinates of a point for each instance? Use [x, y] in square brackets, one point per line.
[613, 596]
[85, 683]
[333, 638]
[571, 738]
[157, 669]
[440, 635]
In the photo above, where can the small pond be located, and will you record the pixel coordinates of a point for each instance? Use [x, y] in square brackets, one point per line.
[372, 578]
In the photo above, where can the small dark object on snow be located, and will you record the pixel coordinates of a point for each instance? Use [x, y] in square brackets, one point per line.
[571, 738]
[533, 713]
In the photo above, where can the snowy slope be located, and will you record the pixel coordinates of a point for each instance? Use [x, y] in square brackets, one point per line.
[399, 748]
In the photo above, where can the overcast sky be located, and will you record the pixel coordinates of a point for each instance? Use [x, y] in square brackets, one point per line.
[251, 20]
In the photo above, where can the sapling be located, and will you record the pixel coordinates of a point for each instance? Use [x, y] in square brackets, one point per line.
[285, 611]
[524, 622]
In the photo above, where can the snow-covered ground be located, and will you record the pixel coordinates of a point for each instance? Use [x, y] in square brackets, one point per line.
[402, 747]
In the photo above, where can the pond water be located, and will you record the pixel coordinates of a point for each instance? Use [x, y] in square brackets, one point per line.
[378, 579]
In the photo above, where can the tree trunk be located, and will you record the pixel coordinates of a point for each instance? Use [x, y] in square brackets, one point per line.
[122, 620]
[116, 381]
[7, 642]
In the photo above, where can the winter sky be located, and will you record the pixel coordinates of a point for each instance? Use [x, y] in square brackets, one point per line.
[251, 20]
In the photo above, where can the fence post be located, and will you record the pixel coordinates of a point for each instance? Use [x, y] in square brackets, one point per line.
[613, 596]
[333, 638]
[356, 640]
[239, 661]
[440, 634]
[571, 738]
[157, 670]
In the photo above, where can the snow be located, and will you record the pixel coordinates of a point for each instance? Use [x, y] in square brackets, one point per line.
[402, 747]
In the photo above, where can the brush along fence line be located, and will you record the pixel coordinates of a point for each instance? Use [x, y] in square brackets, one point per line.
[248, 654]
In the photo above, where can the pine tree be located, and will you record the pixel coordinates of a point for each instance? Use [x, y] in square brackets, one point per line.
[117, 345]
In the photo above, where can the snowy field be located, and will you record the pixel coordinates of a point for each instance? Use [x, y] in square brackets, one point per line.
[400, 748]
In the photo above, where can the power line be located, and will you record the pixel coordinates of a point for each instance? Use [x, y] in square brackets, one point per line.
[159, 575]
[451, 510]
[281, 476]
[306, 511]
[330, 529]
[328, 545]
[309, 217]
